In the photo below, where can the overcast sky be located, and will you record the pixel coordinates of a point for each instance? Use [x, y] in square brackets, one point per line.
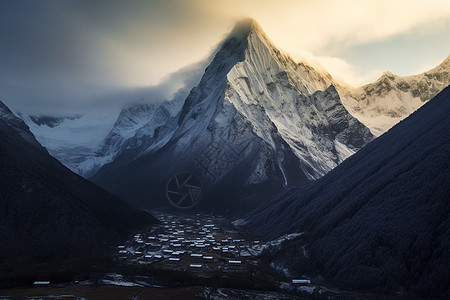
[73, 54]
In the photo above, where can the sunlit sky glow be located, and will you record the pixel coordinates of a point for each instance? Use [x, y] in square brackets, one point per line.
[59, 52]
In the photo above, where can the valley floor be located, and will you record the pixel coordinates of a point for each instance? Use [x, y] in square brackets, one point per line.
[185, 257]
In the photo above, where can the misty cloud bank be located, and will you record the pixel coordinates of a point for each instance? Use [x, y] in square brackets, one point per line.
[60, 57]
[72, 56]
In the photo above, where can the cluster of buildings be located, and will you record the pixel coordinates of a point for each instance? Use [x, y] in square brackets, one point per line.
[194, 244]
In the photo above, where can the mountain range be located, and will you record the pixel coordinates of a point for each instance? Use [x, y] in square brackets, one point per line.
[258, 122]
[378, 105]
[381, 219]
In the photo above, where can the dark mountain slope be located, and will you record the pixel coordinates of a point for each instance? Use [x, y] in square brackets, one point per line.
[45, 209]
[381, 218]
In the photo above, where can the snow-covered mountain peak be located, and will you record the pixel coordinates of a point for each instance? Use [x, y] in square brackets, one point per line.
[244, 27]
[257, 121]
[248, 54]
[275, 97]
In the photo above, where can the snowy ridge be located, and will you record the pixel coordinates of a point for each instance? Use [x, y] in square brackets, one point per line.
[268, 85]
[138, 121]
[383, 103]
[134, 125]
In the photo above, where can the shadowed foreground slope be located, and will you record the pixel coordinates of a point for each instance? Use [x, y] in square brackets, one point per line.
[46, 211]
[381, 218]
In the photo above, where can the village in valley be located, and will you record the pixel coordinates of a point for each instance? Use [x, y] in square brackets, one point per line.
[196, 256]
[188, 244]
[204, 247]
